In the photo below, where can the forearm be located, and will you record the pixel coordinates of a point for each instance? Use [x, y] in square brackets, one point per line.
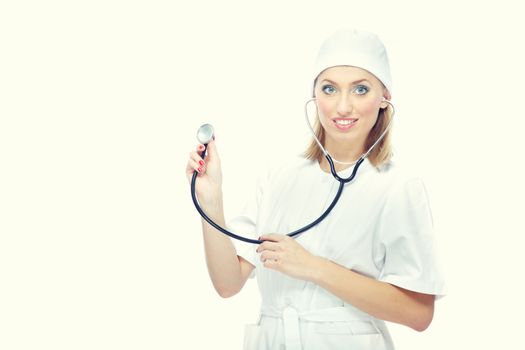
[379, 299]
[221, 257]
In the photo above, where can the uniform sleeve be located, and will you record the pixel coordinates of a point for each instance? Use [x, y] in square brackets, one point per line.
[245, 224]
[405, 247]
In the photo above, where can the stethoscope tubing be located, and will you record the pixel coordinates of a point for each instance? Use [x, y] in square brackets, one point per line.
[342, 182]
[325, 152]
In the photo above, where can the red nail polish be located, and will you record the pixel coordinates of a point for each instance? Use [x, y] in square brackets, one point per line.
[201, 162]
[200, 169]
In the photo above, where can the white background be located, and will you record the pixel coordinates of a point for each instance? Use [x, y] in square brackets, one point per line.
[100, 101]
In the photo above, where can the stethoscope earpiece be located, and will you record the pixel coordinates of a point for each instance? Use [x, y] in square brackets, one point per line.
[205, 135]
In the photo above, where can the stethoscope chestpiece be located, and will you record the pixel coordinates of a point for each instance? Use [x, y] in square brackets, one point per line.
[205, 134]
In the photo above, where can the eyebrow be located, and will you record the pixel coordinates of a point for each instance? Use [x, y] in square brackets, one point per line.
[355, 82]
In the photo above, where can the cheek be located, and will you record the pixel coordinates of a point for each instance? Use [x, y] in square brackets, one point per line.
[369, 111]
[369, 108]
[324, 108]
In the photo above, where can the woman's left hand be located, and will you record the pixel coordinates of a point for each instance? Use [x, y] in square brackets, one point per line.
[284, 254]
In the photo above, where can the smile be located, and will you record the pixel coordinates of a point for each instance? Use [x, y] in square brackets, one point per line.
[344, 124]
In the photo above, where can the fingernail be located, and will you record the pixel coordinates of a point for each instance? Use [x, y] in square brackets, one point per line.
[201, 147]
[200, 169]
[201, 162]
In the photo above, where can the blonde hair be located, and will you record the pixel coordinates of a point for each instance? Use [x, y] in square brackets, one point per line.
[379, 156]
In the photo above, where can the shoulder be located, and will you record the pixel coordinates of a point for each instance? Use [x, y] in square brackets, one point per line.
[402, 197]
[396, 176]
[282, 170]
[289, 167]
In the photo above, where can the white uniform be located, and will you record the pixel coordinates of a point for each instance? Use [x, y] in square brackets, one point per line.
[381, 227]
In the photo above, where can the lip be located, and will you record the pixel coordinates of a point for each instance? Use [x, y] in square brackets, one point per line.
[344, 127]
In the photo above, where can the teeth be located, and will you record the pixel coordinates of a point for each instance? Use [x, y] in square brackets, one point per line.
[345, 121]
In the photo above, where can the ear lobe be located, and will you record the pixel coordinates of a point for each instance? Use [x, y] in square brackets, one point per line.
[385, 99]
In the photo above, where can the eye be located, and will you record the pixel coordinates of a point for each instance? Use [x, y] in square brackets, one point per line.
[329, 89]
[361, 89]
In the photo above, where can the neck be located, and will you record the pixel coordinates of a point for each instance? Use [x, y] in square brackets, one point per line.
[343, 153]
[348, 151]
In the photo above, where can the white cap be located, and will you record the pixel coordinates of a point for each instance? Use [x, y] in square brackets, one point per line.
[355, 48]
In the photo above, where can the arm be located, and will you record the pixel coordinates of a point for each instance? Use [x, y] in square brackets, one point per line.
[228, 271]
[379, 299]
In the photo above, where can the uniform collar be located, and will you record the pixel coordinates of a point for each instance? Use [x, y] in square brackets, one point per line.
[365, 167]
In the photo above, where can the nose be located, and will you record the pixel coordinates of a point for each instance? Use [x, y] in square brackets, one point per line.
[344, 105]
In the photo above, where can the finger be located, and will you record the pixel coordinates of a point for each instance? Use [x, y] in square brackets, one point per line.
[200, 149]
[274, 237]
[269, 245]
[197, 158]
[212, 150]
[269, 255]
[194, 166]
[272, 264]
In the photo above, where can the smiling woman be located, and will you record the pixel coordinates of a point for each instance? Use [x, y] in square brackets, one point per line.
[371, 260]
[348, 100]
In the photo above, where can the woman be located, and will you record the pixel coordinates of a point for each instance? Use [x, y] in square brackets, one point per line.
[371, 260]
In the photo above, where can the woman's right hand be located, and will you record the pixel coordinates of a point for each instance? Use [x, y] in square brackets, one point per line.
[208, 185]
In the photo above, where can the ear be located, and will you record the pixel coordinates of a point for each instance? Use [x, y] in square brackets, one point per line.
[386, 96]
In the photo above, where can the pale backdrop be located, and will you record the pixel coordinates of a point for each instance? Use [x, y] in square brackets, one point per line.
[100, 101]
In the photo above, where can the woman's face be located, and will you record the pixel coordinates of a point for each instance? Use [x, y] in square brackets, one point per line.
[348, 102]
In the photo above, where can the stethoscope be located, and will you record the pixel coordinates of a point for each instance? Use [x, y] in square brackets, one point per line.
[205, 135]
